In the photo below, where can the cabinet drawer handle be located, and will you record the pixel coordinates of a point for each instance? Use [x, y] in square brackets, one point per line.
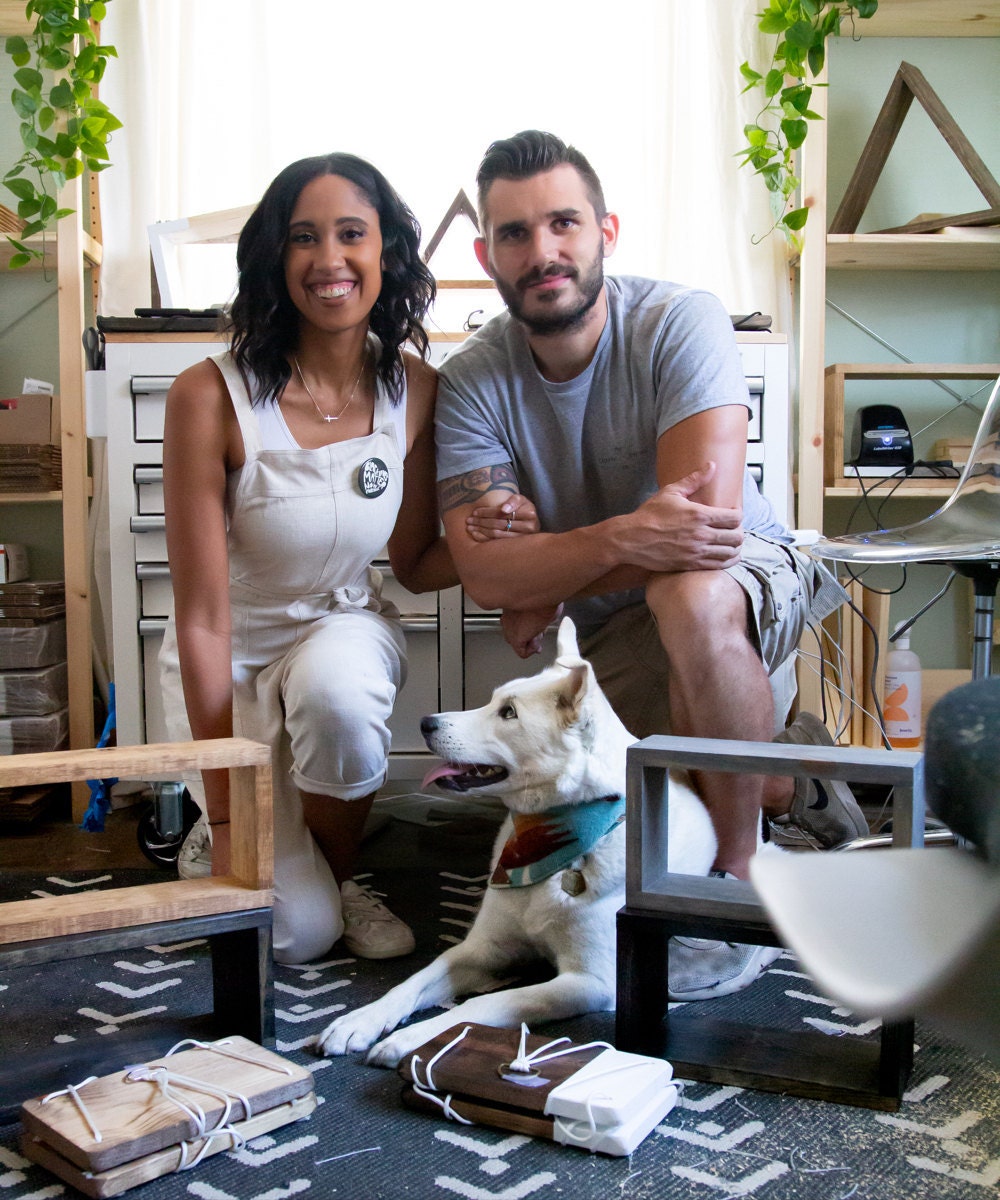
[152, 524]
[144, 385]
[152, 570]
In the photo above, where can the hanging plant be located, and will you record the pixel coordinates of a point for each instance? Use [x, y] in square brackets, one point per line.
[801, 28]
[64, 127]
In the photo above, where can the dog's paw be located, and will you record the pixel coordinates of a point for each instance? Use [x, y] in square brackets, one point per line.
[351, 1032]
[391, 1050]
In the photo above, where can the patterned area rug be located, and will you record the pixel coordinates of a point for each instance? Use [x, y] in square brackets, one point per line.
[361, 1144]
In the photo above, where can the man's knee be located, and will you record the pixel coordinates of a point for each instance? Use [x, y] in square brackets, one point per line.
[707, 605]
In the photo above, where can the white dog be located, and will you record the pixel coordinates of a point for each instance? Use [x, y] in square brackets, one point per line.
[552, 748]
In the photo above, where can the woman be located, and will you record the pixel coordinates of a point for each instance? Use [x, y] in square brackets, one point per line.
[289, 463]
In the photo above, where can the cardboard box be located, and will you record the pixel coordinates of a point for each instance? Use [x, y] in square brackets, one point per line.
[29, 420]
[13, 562]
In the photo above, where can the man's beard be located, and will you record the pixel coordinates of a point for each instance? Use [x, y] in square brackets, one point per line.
[589, 285]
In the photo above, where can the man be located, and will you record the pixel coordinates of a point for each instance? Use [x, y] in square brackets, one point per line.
[619, 407]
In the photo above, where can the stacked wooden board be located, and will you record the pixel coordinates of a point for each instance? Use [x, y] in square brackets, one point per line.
[591, 1096]
[107, 1135]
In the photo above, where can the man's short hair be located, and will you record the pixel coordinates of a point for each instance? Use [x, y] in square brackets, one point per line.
[530, 153]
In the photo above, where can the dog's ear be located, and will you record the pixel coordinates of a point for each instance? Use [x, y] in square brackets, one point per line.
[566, 643]
[573, 691]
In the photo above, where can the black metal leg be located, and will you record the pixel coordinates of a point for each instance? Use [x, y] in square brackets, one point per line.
[242, 983]
[642, 983]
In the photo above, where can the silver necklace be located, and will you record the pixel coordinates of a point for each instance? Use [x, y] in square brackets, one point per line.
[331, 417]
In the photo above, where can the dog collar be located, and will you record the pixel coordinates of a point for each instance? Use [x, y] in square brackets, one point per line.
[546, 842]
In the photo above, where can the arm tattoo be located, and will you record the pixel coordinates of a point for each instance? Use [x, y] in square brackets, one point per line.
[473, 485]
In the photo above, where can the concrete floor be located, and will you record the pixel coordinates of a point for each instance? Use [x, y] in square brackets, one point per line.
[55, 842]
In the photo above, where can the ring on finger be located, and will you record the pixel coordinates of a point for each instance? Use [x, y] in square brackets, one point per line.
[510, 521]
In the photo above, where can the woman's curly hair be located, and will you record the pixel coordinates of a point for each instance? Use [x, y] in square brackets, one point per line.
[263, 319]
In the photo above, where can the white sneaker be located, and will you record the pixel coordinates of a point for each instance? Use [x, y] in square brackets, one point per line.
[194, 859]
[370, 929]
[701, 969]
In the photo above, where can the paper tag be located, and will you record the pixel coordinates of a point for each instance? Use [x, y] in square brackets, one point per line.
[37, 387]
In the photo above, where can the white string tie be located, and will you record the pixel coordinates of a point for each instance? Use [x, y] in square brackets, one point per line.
[73, 1091]
[237, 1142]
[167, 1082]
[219, 1048]
[525, 1062]
[428, 1091]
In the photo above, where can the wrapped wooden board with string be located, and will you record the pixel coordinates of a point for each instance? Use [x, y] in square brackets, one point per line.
[590, 1096]
[106, 1135]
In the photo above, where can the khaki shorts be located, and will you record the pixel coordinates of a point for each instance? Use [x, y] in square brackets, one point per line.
[786, 590]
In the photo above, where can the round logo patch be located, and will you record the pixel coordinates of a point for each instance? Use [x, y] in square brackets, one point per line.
[373, 477]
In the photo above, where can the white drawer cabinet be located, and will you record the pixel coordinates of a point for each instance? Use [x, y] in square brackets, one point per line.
[457, 652]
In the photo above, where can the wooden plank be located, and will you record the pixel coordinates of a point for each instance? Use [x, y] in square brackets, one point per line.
[167, 759]
[481, 1113]
[799, 1062]
[812, 337]
[982, 216]
[133, 1116]
[911, 252]
[75, 482]
[933, 18]
[875, 606]
[209, 926]
[120, 908]
[915, 370]
[163, 1162]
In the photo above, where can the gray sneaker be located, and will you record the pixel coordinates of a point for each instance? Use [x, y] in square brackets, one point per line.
[194, 859]
[824, 808]
[700, 969]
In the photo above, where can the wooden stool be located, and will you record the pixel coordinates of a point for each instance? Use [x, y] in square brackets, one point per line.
[661, 905]
[233, 912]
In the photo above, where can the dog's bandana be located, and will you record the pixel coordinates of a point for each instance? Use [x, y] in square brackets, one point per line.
[546, 842]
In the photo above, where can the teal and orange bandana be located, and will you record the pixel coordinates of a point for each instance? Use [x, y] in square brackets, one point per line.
[546, 842]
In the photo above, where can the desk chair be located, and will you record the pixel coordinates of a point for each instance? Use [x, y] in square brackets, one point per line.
[964, 533]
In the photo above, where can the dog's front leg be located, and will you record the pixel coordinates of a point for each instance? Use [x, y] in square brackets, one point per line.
[567, 995]
[464, 968]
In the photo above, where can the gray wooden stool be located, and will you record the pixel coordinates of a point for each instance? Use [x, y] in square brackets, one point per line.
[660, 905]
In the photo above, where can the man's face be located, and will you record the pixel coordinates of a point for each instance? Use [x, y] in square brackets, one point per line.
[544, 248]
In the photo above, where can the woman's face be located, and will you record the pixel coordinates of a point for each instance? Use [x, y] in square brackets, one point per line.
[333, 255]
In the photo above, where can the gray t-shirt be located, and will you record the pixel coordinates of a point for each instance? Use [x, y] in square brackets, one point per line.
[585, 450]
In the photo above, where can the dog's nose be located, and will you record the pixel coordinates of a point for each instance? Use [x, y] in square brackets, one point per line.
[428, 725]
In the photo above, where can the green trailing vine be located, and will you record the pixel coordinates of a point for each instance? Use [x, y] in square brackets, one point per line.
[64, 127]
[780, 127]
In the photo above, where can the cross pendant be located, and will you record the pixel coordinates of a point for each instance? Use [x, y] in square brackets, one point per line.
[328, 419]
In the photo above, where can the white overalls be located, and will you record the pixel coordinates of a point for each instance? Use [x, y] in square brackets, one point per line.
[318, 656]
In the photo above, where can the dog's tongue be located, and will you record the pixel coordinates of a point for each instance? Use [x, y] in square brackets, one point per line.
[441, 771]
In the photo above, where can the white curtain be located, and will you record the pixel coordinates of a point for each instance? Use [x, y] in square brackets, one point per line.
[217, 95]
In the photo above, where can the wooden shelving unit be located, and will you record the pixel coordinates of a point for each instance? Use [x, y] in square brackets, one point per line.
[951, 250]
[836, 480]
[70, 253]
